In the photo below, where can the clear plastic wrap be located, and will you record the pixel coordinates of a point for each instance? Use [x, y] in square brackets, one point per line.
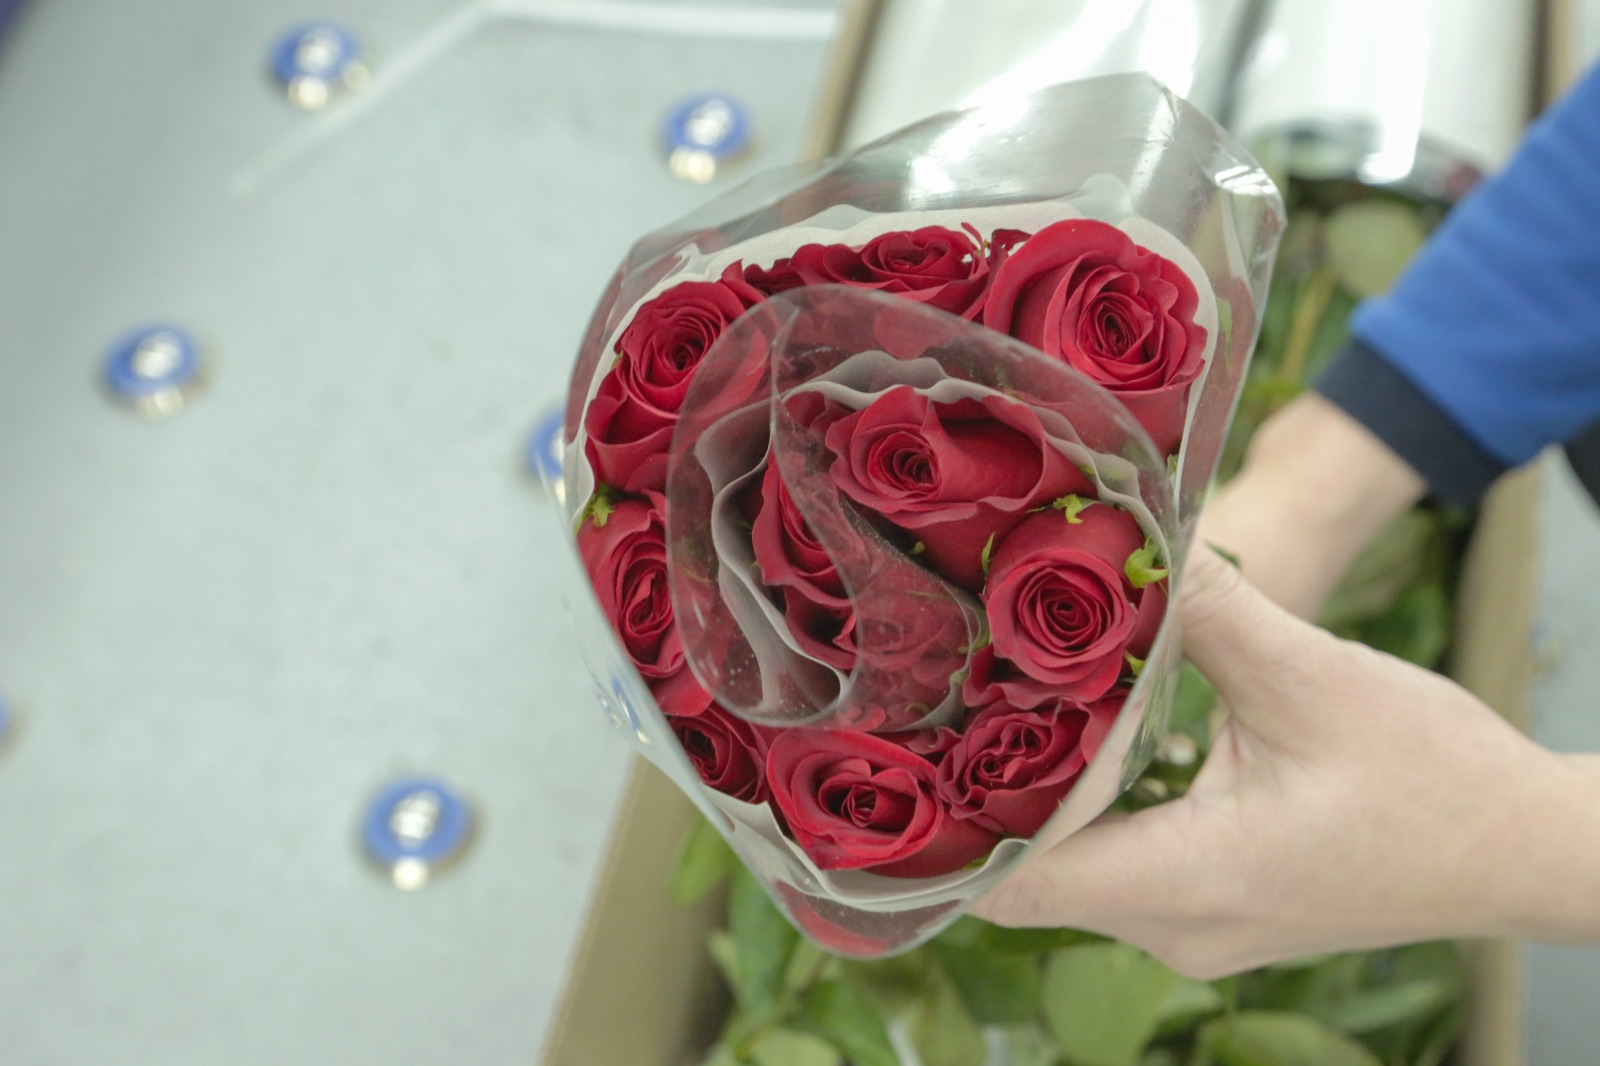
[882, 470]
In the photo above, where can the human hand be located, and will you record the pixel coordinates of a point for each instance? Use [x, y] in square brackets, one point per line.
[1315, 488]
[1349, 801]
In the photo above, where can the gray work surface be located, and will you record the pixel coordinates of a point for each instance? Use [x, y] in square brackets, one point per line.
[223, 631]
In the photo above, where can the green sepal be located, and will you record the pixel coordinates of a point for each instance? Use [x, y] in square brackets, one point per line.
[1143, 566]
[1072, 506]
[599, 507]
[982, 639]
[988, 552]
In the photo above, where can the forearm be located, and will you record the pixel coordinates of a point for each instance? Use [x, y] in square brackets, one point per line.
[1549, 885]
[1315, 488]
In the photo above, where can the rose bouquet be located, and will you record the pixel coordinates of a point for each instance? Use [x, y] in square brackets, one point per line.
[881, 474]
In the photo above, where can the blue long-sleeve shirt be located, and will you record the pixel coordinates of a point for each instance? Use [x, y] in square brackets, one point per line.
[1488, 347]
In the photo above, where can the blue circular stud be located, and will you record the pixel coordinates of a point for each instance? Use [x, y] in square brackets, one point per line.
[415, 826]
[541, 452]
[153, 368]
[311, 60]
[704, 131]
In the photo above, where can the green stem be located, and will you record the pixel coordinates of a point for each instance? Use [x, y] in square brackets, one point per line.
[1308, 312]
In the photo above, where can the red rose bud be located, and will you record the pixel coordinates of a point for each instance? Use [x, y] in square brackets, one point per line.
[801, 575]
[780, 277]
[786, 548]
[954, 475]
[625, 552]
[943, 268]
[1011, 768]
[1082, 291]
[1063, 614]
[856, 801]
[727, 752]
[911, 640]
[630, 421]
[821, 919]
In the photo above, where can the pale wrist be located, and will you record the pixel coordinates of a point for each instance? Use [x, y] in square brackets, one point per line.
[1334, 478]
[1553, 853]
[1316, 486]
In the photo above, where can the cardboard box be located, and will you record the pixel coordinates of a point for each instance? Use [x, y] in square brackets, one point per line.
[642, 990]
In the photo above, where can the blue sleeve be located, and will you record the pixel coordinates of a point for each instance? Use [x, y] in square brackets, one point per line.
[1488, 347]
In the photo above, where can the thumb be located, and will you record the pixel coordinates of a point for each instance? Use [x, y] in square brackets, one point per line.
[1257, 654]
[1103, 872]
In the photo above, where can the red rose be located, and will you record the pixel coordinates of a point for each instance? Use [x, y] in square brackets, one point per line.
[931, 744]
[627, 562]
[911, 638]
[630, 421]
[779, 277]
[1082, 291]
[728, 753]
[794, 564]
[824, 920]
[955, 475]
[1063, 616]
[856, 801]
[944, 268]
[1011, 768]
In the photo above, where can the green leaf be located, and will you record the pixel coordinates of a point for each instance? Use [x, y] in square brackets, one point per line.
[1416, 628]
[1436, 960]
[965, 931]
[918, 548]
[805, 962]
[1331, 333]
[1135, 664]
[764, 940]
[1192, 703]
[840, 1013]
[1262, 1038]
[1104, 1001]
[1304, 962]
[1188, 1002]
[998, 988]
[942, 1030]
[1072, 507]
[988, 550]
[1385, 1005]
[891, 985]
[704, 862]
[725, 953]
[787, 1047]
[1030, 1045]
[1370, 242]
[721, 1056]
[1376, 579]
[1143, 566]
[1436, 1040]
[1227, 556]
[1034, 941]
